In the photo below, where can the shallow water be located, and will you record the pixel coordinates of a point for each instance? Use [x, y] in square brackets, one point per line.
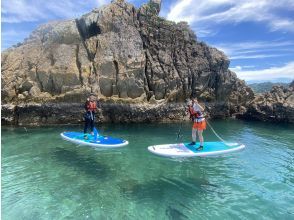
[44, 177]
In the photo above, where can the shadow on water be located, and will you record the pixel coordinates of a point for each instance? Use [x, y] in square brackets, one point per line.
[174, 214]
[177, 193]
[86, 165]
[155, 188]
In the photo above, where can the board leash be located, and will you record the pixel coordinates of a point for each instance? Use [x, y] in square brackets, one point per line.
[219, 137]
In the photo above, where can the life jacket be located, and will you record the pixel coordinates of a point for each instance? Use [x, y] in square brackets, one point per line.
[91, 106]
[195, 116]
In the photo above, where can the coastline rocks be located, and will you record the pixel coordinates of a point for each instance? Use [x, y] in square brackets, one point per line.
[8, 115]
[276, 106]
[63, 113]
[122, 54]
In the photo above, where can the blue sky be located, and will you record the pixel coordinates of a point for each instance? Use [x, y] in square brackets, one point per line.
[257, 35]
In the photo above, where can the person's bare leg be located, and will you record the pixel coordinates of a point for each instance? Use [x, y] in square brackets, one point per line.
[200, 132]
[193, 136]
[201, 139]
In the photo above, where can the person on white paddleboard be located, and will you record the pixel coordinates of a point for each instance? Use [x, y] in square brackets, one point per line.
[199, 123]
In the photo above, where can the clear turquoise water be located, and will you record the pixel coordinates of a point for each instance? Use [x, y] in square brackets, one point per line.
[44, 177]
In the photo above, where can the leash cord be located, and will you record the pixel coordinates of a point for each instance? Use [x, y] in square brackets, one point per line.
[219, 137]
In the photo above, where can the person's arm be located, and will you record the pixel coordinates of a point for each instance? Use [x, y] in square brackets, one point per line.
[199, 106]
[86, 104]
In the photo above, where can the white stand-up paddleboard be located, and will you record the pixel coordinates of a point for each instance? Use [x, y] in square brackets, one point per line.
[186, 150]
[98, 141]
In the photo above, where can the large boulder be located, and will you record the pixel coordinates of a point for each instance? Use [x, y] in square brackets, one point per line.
[121, 54]
[276, 106]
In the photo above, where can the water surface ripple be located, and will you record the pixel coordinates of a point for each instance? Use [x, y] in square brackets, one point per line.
[44, 177]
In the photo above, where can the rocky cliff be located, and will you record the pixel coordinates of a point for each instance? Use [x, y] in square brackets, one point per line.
[141, 66]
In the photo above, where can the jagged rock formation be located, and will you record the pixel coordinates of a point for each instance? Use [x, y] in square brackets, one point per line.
[276, 105]
[265, 86]
[128, 57]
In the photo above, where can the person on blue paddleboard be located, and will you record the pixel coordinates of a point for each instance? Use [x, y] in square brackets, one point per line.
[199, 123]
[91, 108]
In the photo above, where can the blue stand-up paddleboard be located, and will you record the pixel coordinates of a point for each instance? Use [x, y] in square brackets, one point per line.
[94, 140]
[186, 150]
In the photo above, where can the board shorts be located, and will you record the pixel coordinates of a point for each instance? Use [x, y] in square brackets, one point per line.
[200, 125]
